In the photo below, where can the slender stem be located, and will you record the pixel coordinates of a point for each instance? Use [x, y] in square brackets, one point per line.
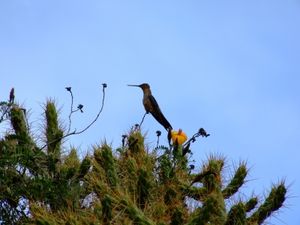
[5, 112]
[143, 119]
[87, 127]
[71, 112]
[192, 139]
[157, 143]
[96, 118]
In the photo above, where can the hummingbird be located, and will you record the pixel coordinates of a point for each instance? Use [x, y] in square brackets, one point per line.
[151, 106]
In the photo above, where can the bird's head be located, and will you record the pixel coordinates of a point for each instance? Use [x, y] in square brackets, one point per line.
[144, 86]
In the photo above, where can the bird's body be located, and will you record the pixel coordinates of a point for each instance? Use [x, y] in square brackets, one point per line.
[151, 106]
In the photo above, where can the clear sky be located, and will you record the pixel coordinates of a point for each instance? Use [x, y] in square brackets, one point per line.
[231, 67]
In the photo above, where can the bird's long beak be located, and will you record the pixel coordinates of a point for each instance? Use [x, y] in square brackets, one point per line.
[133, 85]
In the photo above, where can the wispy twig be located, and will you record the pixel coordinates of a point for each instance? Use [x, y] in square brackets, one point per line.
[6, 106]
[201, 132]
[143, 119]
[100, 111]
[69, 89]
[79, 108]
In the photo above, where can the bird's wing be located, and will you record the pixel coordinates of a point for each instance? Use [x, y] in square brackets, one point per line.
[154, 103]
[158, 115]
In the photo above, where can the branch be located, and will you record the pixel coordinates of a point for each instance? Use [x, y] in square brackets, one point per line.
[7, 105]
[96, 118]
[143, 119]
[5, 108]
[79, 108]
[71, 111]
[201, 132]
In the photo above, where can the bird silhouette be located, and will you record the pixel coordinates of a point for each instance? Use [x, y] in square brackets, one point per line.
[151, 106]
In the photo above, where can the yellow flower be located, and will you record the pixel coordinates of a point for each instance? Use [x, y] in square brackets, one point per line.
[178, 136]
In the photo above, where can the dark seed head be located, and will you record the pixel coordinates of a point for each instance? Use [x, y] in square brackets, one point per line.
[158, 133]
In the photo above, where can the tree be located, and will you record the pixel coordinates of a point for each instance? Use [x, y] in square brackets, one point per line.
[129, 185]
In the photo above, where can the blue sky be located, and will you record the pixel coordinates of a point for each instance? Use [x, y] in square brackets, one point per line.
[231, 67]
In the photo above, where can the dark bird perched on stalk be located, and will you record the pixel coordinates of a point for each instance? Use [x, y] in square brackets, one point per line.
[12, 96]
[152, 107]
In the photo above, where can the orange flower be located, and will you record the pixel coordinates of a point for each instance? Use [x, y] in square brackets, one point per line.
[178, 136]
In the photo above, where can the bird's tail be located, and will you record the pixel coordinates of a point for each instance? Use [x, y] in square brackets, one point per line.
[162, 120]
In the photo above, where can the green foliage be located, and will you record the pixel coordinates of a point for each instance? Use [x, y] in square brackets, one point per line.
[272, 203]
[128, 186]
[106, 161]
[236, 182]
[19, 124]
